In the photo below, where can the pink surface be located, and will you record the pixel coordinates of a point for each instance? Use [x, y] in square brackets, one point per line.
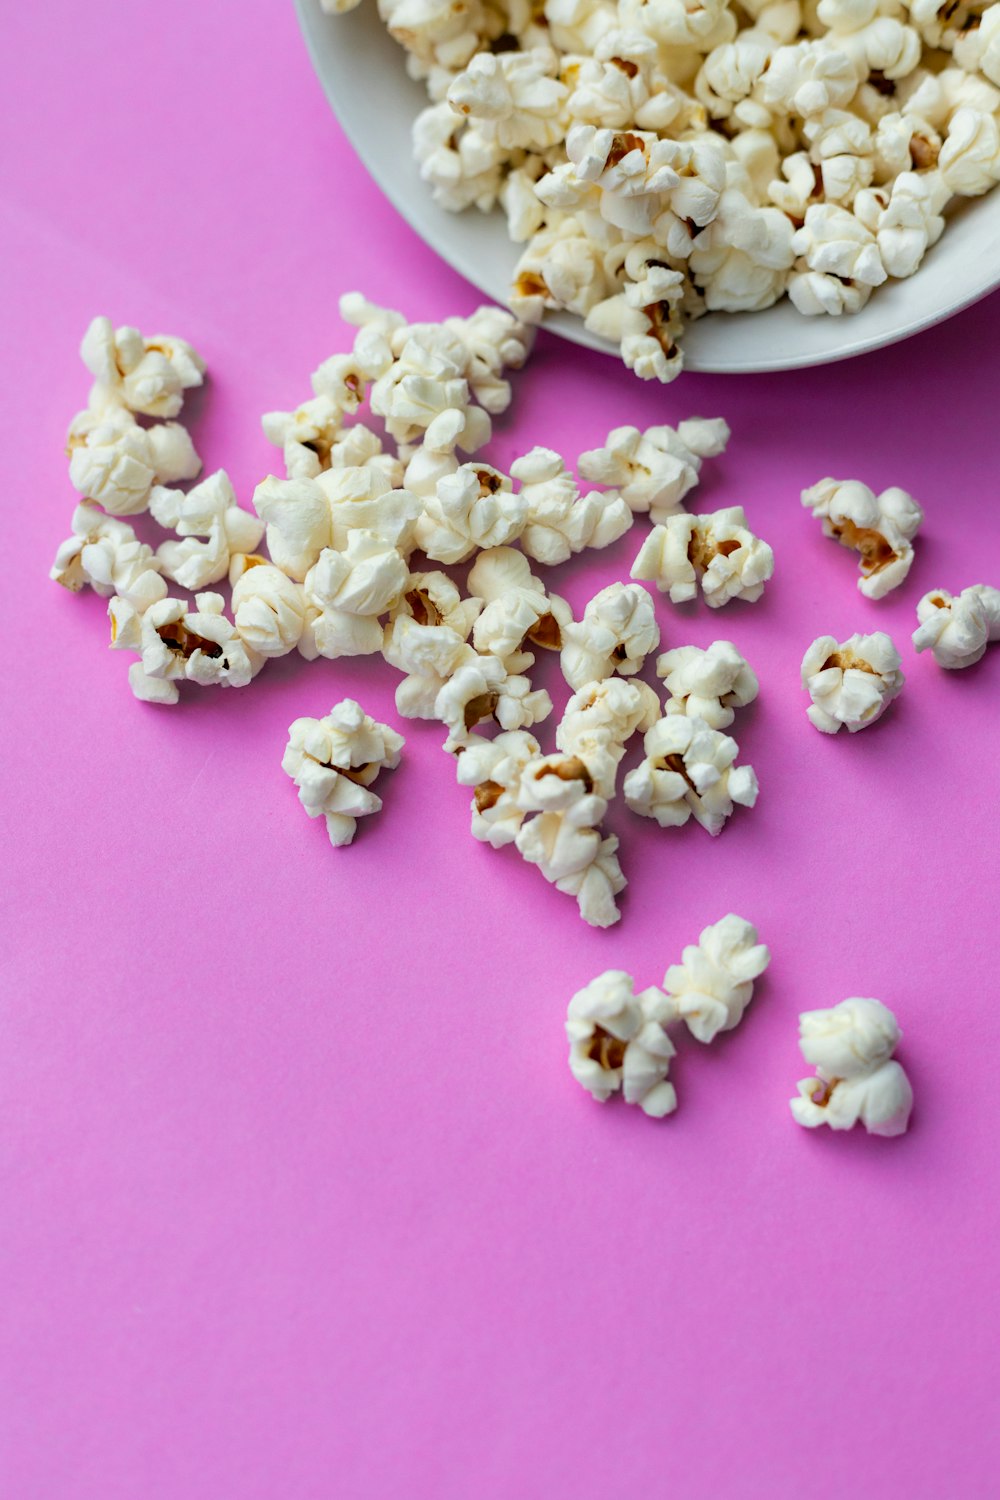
[299, 1197]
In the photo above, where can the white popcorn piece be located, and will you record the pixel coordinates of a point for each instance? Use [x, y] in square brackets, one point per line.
[427, 640]
[850, 682]
[559, 521]
[809, 77]
[115, 462]
[616, 634]
[517, 613]
[105, 554]
[143, 375]
[565, 839]
[833, 241]
[333, 762]
[213, 526]
[481, 689]
[473, 508]
[599, 721]
[305, 516]
[689, 770]
[712, 985]
[880, 528]
[493, 768]
[515, 96]
[618, 1043]
[560, 267]
[851, 1046]
[347, 590]
[306, 435]
[269, 608]
[645, 321]
[956, 629]
[176, 643]
[905, 220]
[654, 470]
[707, 684]
[743, 259]
[719, 548]
[978, 48]
[970, 157]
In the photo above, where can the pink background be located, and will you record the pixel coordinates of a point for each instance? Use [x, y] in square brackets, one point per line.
[299, 1197]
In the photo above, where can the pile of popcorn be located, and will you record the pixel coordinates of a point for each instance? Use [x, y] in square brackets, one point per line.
[658, 159]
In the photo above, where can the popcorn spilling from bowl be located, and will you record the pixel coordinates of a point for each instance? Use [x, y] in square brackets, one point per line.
[658, 161]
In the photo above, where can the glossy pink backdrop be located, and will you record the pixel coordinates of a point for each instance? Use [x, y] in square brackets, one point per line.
[299, 1197]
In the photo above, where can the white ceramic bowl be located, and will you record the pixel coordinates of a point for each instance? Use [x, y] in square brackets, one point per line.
[363, 72]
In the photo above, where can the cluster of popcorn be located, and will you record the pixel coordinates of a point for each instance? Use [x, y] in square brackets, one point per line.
[851, 1046]
[619, 1041]
[657, 160]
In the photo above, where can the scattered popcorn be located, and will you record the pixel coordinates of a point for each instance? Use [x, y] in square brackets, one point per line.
[517, 612]
[880, 528]
[850, 682]
[654, 470]
[618, 1043]
[115, 462]
[689, 769]
[717, 549]
[333, 762]
[105, 554]
[148, 376]
[209, 510]
[615, 635]
[956, 629]
[708, 685]
[712, 985]
[851, 1046]
[178, 644]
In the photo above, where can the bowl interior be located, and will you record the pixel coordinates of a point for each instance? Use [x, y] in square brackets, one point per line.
[364, 75]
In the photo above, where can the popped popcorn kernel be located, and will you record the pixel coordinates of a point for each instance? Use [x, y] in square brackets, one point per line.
[851, 1046]
[713, 984]
[851, 682]
[880, 528]
[333, 762]
[689, 770]
[957, 629]
[619, 1044]
[717, 550]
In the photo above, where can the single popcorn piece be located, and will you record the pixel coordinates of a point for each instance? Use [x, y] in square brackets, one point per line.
[850, 682]
[493, 768]
[346, 591]
[306, 436]
[518, 613]
[333, 762]
[617, 632]
[710, 684]
[559, 521]
[306, 516]
[115, 462]
[178, 644]
[269, 609]
[482, 689]
[956, 629]
[712, 985]
[599, 721]
[427, 639]
[473, 508]
[148, 376]
[851, 1046]
[105, 554]
[654, 470]
[618, 1043]
[880, 528]
[689, 770]
[213, 526]
[565, 839]
[719, 549]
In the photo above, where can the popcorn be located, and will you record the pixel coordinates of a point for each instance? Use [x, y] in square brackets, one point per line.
[979, 46]
[618, 1043]
[558, 520]
[599, 721]
[850, 682]
[178, 644]
[654, 470]
[514, 96]
[956, 629]
[269, 609]
[712, 986]
[427, 639]
[689, 769]
[306, 516]
[565, 840]
[851, 1046]
[106, 554]
[708, 685]
[970, 157]
[645, 321]
[832, 241]
[881, 528]
[333, 762]
[719, 549]
[493, 768]
[616, 633]
[115, 462]
[475, 507]
[148, 376]
[481, 689]
[347, 590]
[742, 260]
[905, 220]
[517, 613]
[306, 436]
[209, 510]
